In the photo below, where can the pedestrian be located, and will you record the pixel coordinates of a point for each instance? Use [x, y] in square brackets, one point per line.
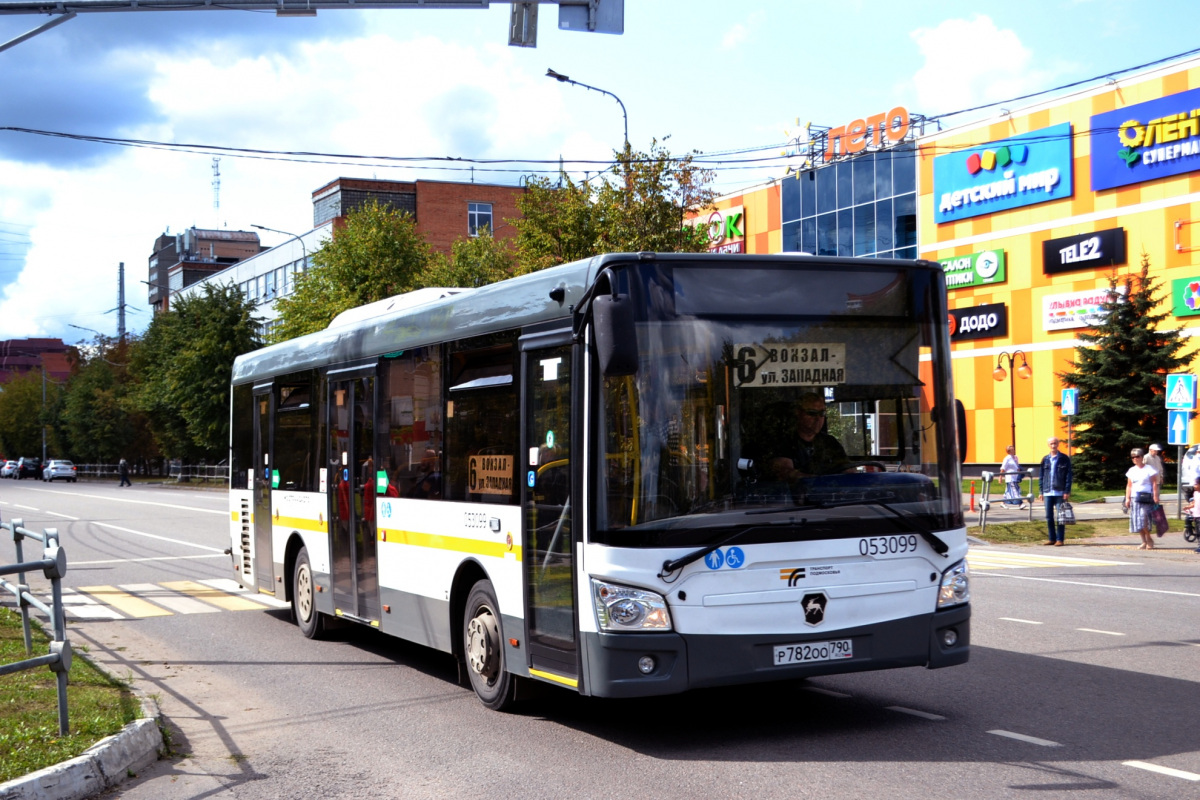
[1141, 496]
[1153, 459]
[1054, 485]
[1011, 470]
[123, 471]
[1189, 471]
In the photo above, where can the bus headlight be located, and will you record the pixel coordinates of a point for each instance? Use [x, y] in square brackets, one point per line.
[956, 586]
[623, 608]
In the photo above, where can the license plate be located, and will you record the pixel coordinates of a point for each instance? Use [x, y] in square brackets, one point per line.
[808, 652]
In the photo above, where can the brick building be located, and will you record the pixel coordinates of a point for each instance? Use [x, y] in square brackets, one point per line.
[444, 211]
[21, 356]
[182, 259]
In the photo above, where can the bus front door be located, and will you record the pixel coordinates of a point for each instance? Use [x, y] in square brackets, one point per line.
[264, 563]
[549, 546]
[352, 497]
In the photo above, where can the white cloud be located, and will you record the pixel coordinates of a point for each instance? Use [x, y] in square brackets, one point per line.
[739, 32]
[972, 62]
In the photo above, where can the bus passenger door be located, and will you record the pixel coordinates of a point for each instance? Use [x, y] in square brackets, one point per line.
[264, 563]
[352, 496]
[549, 544]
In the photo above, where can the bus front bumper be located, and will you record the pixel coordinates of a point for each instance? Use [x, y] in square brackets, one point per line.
[614, 663]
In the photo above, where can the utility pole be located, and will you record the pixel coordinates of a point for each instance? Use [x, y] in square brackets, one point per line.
[121, 303]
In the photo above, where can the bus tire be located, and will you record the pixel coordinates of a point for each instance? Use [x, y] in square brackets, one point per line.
[483, 649]
[304, 598]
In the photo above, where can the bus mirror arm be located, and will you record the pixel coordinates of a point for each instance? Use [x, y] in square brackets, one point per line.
[612, 325]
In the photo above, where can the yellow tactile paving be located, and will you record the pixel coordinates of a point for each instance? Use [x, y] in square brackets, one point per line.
[217, 597]
[124, 602]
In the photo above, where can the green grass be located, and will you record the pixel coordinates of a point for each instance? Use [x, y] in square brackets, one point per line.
[1034, 532]
[97, 706]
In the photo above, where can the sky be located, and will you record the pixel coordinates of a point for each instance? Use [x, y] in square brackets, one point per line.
[707, 75]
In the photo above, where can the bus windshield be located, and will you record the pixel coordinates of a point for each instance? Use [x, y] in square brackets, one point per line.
[778, 402]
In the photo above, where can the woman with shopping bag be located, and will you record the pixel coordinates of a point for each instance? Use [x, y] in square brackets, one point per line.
[1141, 496]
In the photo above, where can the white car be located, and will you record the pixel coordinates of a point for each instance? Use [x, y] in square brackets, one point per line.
[9, 470]
[57, 469]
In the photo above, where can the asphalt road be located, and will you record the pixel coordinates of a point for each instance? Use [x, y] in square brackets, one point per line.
[1083, 682]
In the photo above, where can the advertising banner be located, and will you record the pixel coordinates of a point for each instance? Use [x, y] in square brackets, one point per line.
[1084, 251]
[977, 269]
[1074, 309]
[1032, 168]
[979, 322]
[1185, 297]
[1155, 139]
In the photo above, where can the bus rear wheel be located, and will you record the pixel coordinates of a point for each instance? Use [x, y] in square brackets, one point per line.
[304, 598]
[483, 648]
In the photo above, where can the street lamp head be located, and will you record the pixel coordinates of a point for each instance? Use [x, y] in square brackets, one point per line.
[557, 76]
[1025, 371]
[999, 374]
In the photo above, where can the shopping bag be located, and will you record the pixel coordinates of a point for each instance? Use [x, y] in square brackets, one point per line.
[1161, 525]
[1065, 514]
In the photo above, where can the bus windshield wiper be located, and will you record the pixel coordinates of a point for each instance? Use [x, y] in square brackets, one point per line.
[907, 517]
[672, 564]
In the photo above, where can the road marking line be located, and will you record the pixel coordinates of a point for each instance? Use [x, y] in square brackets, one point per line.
[125, 602]
[180, 604]
[1174, 773]
[80, 606]
[135, 560]
[1008, 560]
[1093, 630]
[914, 712]
[160, 538]
[222, 512]
[215, 596]
[1025, 621]
[64, 516]
[1096, 585]
[233, 587]
[27, 508]
[1023, 738]
[829, 692]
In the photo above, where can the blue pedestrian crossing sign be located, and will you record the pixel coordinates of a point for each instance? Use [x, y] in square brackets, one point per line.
[1179, 428]
[1070, 402]
[1181, 391]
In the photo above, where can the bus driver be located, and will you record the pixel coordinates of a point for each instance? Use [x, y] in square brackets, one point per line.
[815, 452]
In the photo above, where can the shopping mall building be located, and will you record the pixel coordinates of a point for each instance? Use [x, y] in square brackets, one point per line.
[1030, 212]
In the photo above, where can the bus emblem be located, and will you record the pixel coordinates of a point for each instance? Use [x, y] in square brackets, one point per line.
[814, 608]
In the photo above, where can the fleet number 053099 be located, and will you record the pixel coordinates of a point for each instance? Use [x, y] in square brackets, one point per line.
[887, 545]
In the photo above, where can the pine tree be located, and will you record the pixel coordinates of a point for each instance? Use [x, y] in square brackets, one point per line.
[1120, 371]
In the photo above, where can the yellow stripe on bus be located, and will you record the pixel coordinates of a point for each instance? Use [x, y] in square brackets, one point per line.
[124, 602]
[550, 676]
[229, 602]
[233, 515]
[455, 543]
[301, 524]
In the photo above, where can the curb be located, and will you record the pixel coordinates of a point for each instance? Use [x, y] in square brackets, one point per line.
[103, 765]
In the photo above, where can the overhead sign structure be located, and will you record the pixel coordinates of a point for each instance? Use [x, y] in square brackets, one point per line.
[1070, 402]
[880, 130]
[1179, 428]
[1181, 391]
[1034, 167]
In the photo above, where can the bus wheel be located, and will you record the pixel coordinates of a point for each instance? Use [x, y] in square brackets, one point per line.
[484, 648]
[304, 598]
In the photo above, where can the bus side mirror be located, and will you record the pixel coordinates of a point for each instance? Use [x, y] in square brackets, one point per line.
[616, 338]
[960, 414]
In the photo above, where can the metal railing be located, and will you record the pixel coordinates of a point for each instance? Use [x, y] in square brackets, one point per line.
[986, 504]
[53, 565]
[200, 472]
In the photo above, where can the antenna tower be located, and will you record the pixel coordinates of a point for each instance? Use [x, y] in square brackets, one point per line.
[216, 184]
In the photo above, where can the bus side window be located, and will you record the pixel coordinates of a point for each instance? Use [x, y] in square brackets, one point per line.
[482, 422]
[409, 430]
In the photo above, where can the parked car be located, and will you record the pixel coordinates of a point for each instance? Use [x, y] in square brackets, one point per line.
[9, 470]
[29, 468]
[58, 469]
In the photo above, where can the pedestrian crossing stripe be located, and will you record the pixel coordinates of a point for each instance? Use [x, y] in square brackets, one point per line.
[1007, 559]
[146, 600]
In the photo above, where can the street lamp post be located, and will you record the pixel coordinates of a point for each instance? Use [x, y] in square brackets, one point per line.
[295, 236]
[558, 76]
[999, 373]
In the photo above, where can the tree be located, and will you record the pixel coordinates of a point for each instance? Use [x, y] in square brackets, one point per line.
[473, 262]
[1120, 371]
[184, 365]
[97, 419]
[378, 253]
[641, 206]
[21, 416]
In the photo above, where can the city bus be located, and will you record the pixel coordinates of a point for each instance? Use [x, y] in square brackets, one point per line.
[572, 477]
